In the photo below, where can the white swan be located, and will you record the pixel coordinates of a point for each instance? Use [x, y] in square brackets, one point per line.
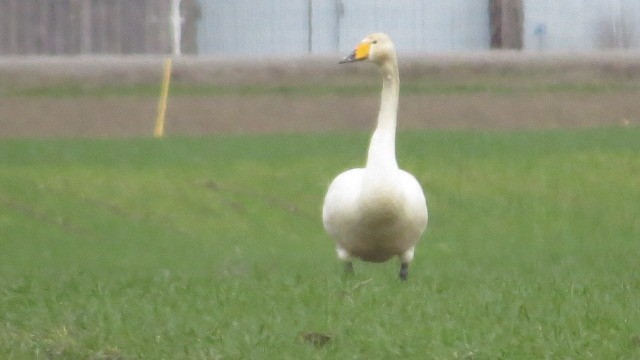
[377, 212]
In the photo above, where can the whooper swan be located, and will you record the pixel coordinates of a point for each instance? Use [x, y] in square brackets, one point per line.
[379, 211]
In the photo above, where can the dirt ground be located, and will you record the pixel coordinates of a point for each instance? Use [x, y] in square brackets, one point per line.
[524, 91]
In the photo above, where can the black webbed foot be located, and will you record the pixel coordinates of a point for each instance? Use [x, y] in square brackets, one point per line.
[404, 271]
[348, 268]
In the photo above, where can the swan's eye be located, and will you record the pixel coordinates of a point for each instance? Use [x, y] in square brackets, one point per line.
[374, 42]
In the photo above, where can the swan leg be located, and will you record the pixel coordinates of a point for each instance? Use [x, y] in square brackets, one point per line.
[404, 271]
[346, 258]
[405, 259]
[348, 267]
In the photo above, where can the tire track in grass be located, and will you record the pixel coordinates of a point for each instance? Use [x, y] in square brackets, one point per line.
[267, 199]
[67, 224]
[32, 212]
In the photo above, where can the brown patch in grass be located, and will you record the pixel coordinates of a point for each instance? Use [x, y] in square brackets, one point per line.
[315, 338]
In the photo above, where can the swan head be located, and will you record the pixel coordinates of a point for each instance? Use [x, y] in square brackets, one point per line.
[376, 48]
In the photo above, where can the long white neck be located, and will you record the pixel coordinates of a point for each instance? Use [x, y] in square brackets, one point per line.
[382, 149]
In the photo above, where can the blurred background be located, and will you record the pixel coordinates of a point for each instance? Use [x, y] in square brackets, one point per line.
[295, 27]
[270, 66]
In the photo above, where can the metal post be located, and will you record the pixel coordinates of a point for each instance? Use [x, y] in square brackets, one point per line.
[310, 22]
[618, 28]
[86, 25]
[176, 22]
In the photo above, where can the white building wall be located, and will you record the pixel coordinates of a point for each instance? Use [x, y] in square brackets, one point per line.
[296, 27]
[580, 25]
[253, 27]
[628, 16]
[419, 26]
[272, 27]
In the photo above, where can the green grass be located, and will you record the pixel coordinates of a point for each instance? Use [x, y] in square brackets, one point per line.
[213, 248]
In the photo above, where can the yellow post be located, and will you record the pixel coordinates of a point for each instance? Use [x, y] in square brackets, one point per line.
[162, 102]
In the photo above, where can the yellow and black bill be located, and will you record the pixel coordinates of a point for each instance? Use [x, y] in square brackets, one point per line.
[360, 53]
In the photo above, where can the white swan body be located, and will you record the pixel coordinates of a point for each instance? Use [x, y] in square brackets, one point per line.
[379, 211]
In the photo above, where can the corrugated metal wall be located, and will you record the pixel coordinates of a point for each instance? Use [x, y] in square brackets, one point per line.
[577, 25]
[293, 27]
[71, 27]
[419, 26]
[254, 27]
[296, 27]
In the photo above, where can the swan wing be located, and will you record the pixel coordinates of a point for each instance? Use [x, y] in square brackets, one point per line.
[415, 201]
[340, 208]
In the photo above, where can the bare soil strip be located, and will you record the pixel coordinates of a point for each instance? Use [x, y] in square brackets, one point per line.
[584, 90]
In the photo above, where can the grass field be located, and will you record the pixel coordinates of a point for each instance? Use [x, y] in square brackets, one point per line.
[213, 248]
